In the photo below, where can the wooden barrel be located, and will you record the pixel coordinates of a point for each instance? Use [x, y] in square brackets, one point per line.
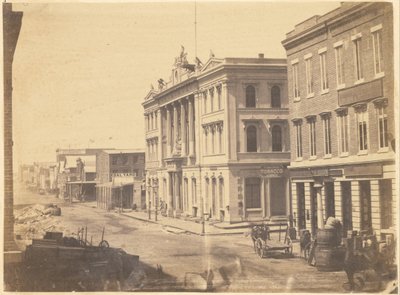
[328, 237]
[329, 258]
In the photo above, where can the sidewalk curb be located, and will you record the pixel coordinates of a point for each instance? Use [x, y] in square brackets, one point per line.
[176, 227]
[172, 226]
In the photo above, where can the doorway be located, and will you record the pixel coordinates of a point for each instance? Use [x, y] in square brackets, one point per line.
[365, 205]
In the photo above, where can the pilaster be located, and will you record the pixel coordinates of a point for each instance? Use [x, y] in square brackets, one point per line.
[356, 215]
[375, 207]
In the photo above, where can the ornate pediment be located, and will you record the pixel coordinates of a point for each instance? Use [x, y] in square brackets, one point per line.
[211, 63]
[150, 95]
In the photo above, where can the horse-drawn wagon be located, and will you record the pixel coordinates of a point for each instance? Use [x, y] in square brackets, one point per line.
[271, 237]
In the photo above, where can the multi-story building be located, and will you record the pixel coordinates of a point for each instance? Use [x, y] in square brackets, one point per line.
[217, 139]
[120, 176]
[66, 172]
[341, 101]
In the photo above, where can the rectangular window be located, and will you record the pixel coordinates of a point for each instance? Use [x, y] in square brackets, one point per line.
[362, 125]
[339, 66]
[343, 133]
[377, 46]
[299, 148]
[382, 127]
[295, 71]
[313, 142]
[205, 142]
[194, 192]
[326, 121]
[211, 100]
[324, 72]
[309, 77]
[358, 59]
[219, 97]
[205, 102]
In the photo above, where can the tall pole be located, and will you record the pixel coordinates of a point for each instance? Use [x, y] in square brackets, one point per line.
[195, 29]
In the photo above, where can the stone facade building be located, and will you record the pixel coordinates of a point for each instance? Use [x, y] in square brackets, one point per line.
[341, 101]
[217, 140]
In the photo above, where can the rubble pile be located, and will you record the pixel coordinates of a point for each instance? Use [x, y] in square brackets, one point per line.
[33, 221]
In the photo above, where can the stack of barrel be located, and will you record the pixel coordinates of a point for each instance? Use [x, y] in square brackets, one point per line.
[329, 254]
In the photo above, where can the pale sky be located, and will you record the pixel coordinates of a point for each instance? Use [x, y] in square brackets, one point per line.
[81, 70]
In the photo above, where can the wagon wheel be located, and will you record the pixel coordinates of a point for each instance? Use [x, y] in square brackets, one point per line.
[289, 250]
[104, 244]
[260, 247]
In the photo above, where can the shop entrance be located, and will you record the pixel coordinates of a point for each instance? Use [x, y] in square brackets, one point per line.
[346, 206]
[301, 206]
[365, 204]
[329, 200]
[278, 196]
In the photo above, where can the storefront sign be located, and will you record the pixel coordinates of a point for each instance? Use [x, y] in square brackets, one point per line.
[316, 172]
[363, 170]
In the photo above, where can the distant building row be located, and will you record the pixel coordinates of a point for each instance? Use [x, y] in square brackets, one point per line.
[112, 177]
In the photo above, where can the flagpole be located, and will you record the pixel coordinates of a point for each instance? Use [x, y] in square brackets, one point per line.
[195, 28]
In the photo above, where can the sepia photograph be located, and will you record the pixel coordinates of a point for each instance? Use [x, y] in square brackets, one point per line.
[200, 146]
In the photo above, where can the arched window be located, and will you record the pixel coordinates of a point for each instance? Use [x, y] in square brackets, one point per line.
[251, 139]
[275, 97]
[250, 97]
[276, 139]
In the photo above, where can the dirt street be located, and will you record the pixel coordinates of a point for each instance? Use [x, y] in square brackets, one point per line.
[185, 258]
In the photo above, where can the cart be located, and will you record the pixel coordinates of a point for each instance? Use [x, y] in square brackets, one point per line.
[272, 237]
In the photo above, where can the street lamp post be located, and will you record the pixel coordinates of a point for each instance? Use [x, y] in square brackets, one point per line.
[155, 187]
[203, 230]
[149, 208]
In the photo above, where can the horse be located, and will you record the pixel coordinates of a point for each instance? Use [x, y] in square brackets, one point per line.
[305, 243]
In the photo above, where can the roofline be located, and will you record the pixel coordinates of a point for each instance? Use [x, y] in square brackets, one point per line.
[321, 25]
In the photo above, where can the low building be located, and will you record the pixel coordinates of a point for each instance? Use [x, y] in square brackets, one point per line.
[120, 174]
[81, 177]
[341, 100]
[217, 140]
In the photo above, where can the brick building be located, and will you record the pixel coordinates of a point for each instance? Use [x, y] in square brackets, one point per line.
[341, 100]
[218, 141]
[12, 21]
[120, 175]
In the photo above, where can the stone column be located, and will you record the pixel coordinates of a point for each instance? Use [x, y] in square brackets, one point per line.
[268, 191]
[320, 208]
[230, 137]
[375, 207]
[198, 152]
[169, 193]
[191, 127]
[160, 136]
[175, 127]
[168, 129]
[263, 201]
[183, 128]
[355, 199]
[294, 204]
[287, 193]
[307, 205]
